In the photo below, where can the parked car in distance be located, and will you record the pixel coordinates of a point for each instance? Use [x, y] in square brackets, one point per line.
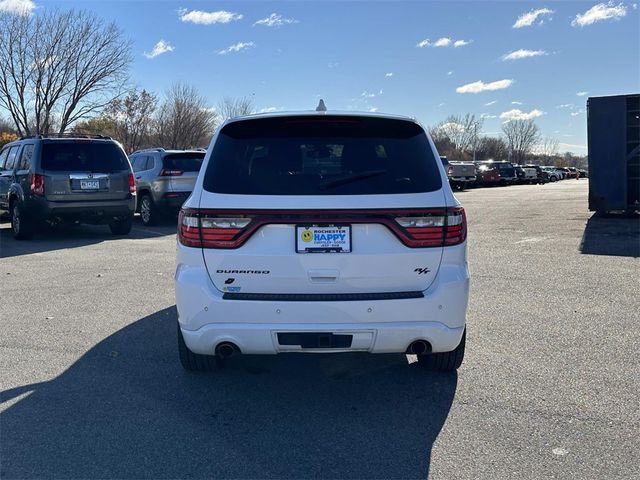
[584, 173]
[525, 174]
[164, 180]
[553, 173]
[487, 175]
[461, 174]
[321, 232]
[541, 177]
[64, 179]
[506, 170]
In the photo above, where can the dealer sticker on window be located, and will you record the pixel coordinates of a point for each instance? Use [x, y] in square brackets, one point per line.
[323, 239]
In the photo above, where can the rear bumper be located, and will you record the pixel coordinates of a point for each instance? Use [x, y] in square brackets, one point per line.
[95, 211]
[172, 200]
[377, 326]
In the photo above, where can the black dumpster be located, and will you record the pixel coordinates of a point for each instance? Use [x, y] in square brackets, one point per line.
[613, 125]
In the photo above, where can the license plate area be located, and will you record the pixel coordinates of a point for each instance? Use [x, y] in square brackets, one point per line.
[319, 238]
[315, 340]
[89, 184]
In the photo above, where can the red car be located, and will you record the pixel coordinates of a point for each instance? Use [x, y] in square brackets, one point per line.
[486, 175]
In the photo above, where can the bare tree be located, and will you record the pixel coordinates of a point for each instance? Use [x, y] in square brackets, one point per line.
[132, 117]
[548, 147]
[234, 107]
[59, 67]
[462, 132]
[492, 148]
[184, 120]
[521, 136]
[5, 125]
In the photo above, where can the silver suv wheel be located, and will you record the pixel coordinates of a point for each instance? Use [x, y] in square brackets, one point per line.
[145, 209]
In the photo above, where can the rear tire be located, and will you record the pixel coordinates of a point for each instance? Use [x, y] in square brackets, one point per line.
[194, 362]
[444, 361]
[149, 213]
[22, 226]
[122, 226]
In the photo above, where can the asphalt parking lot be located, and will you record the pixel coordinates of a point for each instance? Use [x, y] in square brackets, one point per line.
[91, 385]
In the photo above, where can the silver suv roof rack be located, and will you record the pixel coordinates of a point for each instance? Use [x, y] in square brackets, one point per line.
[67, 135]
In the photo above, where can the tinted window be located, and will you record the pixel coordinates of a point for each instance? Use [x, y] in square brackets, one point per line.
[12, 158]
[102, 157]
[25, 158]
[3, 157]
[186, 162]
[329, 155]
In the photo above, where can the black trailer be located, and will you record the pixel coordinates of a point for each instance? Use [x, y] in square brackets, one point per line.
[613, 125]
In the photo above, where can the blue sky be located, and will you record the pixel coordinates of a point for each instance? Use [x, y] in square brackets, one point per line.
[396, 57]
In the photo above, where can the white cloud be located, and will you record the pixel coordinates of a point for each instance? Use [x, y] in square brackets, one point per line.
[487, 115]
[517, 114]
[581, 94]
[208, 18]
[492, 102]
[577, 112]
[571, 146]
[275, 20]
[159, 48]
[565, 105]
[450, 72]
[443, 42]
[600, 12]
[373, 109]
[388, 74]
[236, 47]
[18, 7]
[480, 86]
[529, 18]
[516, 103]
[522, 53]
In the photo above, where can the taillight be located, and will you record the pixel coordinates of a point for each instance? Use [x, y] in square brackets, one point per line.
[170, 173]
[132, 184]
[437, 228]
[450, 170]
[37, 184]
[415, 228]
[198, 229]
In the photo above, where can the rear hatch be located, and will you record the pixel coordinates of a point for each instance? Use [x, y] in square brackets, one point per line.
[84, 170]
[322, 205]
[463, 169]
[182, 169]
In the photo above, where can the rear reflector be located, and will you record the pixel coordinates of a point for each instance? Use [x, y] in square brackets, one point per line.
[415, 228]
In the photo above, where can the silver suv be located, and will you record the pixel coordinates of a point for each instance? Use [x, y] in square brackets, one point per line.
[164, 180]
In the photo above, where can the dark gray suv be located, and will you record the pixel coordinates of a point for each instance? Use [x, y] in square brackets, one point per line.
[60, 179]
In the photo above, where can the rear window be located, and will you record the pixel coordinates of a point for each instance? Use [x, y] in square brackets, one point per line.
[327, 155]
[102, 157]
[185, 162]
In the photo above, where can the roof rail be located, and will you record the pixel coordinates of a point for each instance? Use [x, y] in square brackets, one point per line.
[155, 149]
[67, 135]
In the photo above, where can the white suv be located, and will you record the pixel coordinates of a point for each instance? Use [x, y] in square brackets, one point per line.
[322, 232]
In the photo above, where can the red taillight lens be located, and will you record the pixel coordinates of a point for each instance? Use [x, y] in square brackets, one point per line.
[132, 184]
[170, 173]
[436, 228]
[197, 229]
[37, 184]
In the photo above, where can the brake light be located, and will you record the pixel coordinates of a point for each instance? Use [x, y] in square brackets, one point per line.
[37, 184]
[415, 228]
[170, 173]
[450, 170]
[198, 229]
[437, 228]
[132, 184]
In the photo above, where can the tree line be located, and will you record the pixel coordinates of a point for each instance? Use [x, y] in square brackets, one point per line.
[460, 137]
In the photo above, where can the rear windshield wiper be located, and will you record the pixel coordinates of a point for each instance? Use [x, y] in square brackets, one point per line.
[351, 178]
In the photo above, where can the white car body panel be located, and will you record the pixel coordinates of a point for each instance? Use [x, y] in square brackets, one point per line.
[378, 262]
